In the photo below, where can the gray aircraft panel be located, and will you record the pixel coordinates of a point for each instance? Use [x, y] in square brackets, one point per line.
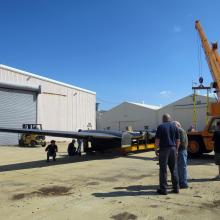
[68, 134]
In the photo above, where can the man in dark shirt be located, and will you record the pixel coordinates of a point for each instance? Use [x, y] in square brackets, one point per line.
[216, 139]
[51, 150]
[71, 148]
[167, 139]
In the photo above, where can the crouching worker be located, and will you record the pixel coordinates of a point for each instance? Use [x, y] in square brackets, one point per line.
[51, 150]
[71, 148]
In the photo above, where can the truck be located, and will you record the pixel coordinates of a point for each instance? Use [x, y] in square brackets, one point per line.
[201, 141]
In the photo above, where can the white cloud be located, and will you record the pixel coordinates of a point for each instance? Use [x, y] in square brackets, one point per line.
[165, 94]
[177, 29]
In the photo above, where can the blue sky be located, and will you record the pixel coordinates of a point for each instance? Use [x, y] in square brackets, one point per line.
[124, 50]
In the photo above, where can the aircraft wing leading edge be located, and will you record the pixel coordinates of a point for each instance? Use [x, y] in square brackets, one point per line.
[99, 139]
[67, 134]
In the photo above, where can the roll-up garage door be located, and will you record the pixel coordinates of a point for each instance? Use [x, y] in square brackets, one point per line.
[16, 108]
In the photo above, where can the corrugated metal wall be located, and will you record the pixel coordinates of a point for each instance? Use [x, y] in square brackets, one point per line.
[16, 108]
[58, 107]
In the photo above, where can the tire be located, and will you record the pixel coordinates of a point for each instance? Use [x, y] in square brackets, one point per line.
[33, 143]
[44, 144]
[21, 143]
[195, 147]
[207, 151]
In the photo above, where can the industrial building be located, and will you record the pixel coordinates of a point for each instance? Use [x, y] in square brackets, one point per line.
[182, 111]
[128, 114]
[29, 98]
[140, 116]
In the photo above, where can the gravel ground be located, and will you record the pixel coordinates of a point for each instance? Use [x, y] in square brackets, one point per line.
[100, 186]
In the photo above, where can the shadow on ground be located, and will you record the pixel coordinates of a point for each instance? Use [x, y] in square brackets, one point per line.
[63, 159]
[202, 180]
[134, 156]
[204, 159]
[136, 190]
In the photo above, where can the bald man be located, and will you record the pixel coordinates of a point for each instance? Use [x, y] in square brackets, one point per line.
[167, 140]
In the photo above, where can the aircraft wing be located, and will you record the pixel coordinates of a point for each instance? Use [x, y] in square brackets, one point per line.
[99, 139]
[67, 134]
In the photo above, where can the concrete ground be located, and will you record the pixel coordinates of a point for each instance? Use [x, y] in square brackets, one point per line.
[100, 187]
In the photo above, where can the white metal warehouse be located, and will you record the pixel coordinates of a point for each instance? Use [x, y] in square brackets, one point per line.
[138, 116]
[30, 98]
[127, 114]
[182, 111]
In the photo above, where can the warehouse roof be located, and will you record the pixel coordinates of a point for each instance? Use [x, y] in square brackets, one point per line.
[44, 78]
[198, 101]
[154, 107]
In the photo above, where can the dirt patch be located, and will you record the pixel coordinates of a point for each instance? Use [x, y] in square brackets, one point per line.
[45, 191]
[197, 196]
[18, 196]
[214, 204]
[124, 216]
[109, 179]
[54, 191]
[92, 183]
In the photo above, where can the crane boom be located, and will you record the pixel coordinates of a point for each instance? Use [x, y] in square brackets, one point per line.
[212, 57]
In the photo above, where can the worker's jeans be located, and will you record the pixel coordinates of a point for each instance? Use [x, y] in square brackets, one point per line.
[182, 168]
[168, 156]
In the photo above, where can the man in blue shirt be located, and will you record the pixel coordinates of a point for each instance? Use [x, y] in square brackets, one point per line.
[168, 140]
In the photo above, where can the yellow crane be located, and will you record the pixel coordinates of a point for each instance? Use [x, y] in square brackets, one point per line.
[212, 57]
[201, 142]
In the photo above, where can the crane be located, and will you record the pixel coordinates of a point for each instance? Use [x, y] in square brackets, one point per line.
[201, 141]
[212, 57]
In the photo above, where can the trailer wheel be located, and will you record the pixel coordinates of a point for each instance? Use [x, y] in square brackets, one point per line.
[207, 151]
[195, 147]
[21, 143]
[33, 143]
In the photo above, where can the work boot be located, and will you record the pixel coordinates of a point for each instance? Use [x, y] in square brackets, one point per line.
[162, 192]
[175, 191]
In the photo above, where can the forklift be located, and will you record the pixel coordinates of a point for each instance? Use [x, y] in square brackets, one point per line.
[31, 140]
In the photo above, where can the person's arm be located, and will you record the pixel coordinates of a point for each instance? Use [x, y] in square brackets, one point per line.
[157, 144]
[186, 142]
[46, 149]
[177, 144]
[157, 140]
[177, 139]
[56, 148]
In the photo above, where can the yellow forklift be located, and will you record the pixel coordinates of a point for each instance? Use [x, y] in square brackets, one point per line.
[31, 140]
